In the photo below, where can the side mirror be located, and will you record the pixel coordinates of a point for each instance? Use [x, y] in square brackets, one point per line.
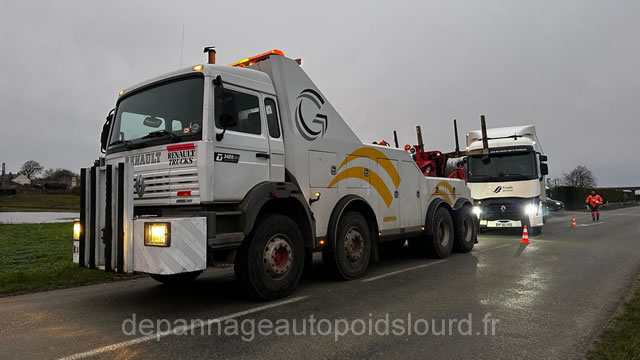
[153, 122]
[228, 113]
[104, 136]
[544, 169]
[543, 157]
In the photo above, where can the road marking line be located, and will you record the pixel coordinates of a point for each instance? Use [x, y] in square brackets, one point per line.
[493, 248]
[423, 265]
[596, 223]
[182, 330]
[402, 270]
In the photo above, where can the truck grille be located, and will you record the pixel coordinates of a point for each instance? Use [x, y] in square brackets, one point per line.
[162, 187]
[512, 211]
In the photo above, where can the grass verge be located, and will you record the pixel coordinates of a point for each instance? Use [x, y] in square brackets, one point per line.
[49, 202]
[621, 340]
[39, 257]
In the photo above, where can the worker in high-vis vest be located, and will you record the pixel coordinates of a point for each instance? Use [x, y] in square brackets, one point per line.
[594, 201]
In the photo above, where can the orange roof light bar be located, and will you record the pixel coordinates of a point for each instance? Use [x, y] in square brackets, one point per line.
[256, 59]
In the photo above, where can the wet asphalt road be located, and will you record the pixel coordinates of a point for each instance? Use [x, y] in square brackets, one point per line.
[548, 299]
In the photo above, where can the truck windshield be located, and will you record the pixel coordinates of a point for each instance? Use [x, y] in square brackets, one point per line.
[512, 167]
[169, 112]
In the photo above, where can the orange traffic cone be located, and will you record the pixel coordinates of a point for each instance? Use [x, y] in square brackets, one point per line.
[525, 236]
[573, 222]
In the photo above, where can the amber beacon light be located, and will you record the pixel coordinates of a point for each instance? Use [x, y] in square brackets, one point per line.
[256, 59]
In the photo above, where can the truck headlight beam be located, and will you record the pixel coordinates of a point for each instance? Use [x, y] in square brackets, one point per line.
[530, 209]
[477, 210]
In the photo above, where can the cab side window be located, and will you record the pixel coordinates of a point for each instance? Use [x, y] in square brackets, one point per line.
[272, 118]
[247, 111]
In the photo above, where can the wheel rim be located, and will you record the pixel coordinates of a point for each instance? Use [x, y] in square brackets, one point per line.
[444, 234]
[277, 257]
[467, 230]
[353, 245]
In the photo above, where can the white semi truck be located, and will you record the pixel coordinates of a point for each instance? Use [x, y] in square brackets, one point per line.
[249, 164]
[507, 183]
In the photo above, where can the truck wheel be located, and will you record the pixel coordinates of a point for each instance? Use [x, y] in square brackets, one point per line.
[350, 255]
[176, 279]
[270, 262]
[464, 230]
[441, 242]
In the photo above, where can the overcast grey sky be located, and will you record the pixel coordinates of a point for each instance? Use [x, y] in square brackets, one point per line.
[569, 67]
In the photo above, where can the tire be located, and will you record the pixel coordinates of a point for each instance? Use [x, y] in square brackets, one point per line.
[440, 243]
[270, 261]
[349, 256]
[465, 227]
[176, 279]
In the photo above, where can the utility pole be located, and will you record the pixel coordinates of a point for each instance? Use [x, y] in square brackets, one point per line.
[2, 178]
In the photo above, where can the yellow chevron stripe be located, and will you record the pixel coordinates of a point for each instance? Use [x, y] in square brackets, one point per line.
[443, 194]
[374, 154]
[448, 187]
[373, 179]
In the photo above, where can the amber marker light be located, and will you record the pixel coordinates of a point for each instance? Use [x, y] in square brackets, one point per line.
[157, 234]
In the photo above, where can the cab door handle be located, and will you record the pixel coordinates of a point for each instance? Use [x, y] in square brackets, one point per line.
[263, 155]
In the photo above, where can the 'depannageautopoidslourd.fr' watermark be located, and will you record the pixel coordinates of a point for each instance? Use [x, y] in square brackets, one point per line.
[248, 329]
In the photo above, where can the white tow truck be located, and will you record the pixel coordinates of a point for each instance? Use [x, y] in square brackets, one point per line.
[507, 183]
[249, 164]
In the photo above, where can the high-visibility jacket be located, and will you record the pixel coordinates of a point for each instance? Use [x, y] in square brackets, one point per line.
[594, 200]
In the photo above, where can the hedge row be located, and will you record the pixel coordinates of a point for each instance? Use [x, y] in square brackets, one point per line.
[575, 197]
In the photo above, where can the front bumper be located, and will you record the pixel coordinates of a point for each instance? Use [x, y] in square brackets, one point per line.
[509, 212]
[187, 250]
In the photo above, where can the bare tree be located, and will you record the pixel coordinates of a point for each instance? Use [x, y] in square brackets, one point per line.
[31, 169]
[581, 176]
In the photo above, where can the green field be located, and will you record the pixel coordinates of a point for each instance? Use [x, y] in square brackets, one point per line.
[622, 339]
[39, 256]
[50, 202]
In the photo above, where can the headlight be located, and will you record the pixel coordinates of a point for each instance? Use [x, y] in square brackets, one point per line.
[157, 234]
[76, 230]
[477, 210]
[530, 209]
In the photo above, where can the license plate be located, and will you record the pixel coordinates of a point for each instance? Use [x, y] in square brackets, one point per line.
[504, 224]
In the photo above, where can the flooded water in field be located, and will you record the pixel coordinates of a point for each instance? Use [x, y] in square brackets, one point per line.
[22, 217]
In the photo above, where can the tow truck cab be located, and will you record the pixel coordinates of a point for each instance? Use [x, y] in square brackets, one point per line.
[165, 128]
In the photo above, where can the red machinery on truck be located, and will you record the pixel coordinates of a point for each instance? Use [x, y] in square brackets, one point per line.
[434, 163]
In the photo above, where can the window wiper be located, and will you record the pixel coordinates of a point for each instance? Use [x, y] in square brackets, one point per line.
[161, 133]
[126, 143]
[516, 176]
[478, 177]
